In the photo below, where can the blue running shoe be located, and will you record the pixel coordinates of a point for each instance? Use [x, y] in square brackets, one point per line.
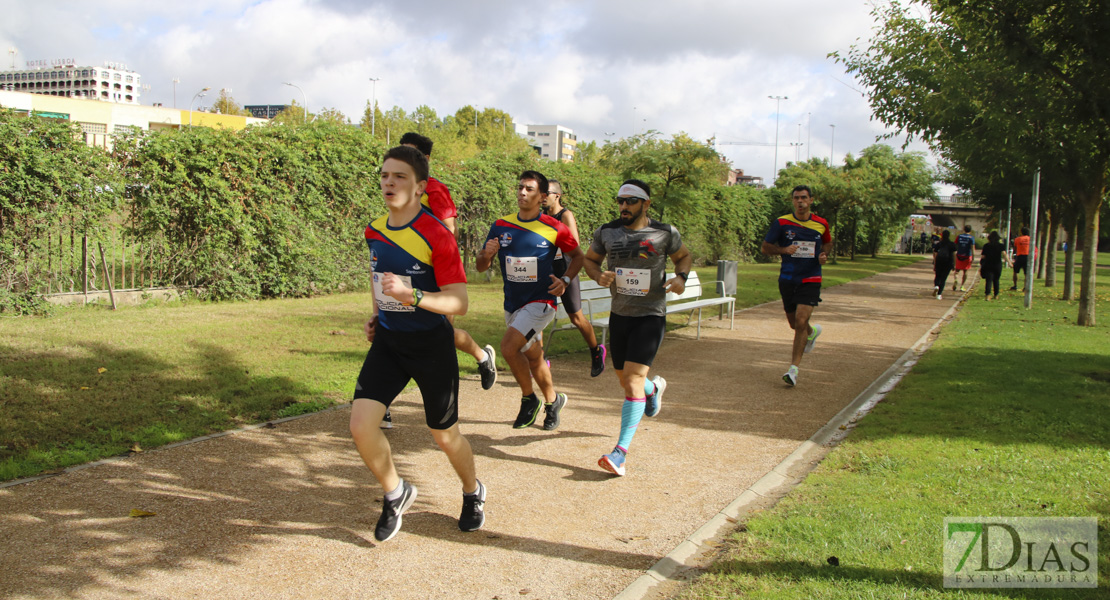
[655, 401]
[613, 462]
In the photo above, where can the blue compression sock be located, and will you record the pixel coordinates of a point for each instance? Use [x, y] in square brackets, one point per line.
[631, 413]
[649, 388]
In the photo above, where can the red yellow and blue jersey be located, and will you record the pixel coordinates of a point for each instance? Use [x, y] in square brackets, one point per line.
[811, 235]
[527, 255]
[426, 254]
[438, 200]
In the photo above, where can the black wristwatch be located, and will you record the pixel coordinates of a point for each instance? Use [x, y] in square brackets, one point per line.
[684, 276]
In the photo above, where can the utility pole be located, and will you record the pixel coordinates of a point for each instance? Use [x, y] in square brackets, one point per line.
[373, 103]
[775, 168]
[1033, 239]
[832, 140]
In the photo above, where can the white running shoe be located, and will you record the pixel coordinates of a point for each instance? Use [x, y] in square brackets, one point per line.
[791, 376]
[813, 338]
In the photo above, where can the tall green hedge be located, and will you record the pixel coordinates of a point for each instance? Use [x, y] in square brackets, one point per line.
[278, 210]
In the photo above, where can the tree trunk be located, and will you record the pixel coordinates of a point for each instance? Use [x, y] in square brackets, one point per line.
[1091, 203]
[1071, 225]
[852, 249]
[1039, 249]
[1050, 251]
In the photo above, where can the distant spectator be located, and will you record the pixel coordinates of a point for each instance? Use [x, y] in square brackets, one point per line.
[990, 264]
[944, 254]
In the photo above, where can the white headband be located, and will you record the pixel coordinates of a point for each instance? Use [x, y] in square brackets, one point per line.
[629, 189]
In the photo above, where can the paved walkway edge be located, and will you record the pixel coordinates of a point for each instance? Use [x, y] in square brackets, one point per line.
[787, 474]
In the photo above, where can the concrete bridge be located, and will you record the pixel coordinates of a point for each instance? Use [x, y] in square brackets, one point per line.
[957, 211]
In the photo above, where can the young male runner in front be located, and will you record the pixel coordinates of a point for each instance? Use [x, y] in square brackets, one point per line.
[525, 245]
[572, 298]
[800, 238]
[965, 256]
[635, 248]
[418, 278]
[437, 198]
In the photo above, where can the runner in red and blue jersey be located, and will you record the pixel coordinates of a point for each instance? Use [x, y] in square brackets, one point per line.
[965, 255]
[525, 245]
[800, 239]
[418, 279]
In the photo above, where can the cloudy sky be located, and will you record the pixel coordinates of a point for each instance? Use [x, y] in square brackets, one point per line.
[604, 68]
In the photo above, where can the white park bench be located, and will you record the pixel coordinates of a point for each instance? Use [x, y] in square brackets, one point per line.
[598, 301]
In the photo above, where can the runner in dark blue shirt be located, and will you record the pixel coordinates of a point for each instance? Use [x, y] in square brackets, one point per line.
[524, 244]
[800, 239]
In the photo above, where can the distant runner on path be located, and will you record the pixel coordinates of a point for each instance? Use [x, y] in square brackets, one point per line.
[944, 255]
[965, 256]
[418, 278]
[636, 248]
[525, 244]
[572, 298]
[800, 238]
[1021, 255]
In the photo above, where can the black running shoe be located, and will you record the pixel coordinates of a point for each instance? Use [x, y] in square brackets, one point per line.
[390, 521]
[488, 368]
[387, 420]
[597, 357]
[551, 419]
[529, 409]
[473, 510]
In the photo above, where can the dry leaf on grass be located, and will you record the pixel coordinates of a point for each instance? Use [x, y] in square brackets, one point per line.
[140, 514]
[101, 370]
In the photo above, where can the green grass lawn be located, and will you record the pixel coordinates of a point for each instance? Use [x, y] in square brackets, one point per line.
[89, 383]
[1008, 414]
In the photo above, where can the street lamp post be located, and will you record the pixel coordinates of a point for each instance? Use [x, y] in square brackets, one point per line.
[199, 94]
[373, 103]
[809, 134]
[832, 140]
[775, 168]
[303, 97]
[175, 82]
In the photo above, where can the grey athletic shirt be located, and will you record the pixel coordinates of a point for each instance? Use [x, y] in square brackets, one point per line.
[640, 259]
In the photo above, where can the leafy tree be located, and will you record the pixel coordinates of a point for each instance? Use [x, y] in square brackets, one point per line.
[292, 114]
[677, 170]
[226, 105]
[1025, 82]
[333, 115]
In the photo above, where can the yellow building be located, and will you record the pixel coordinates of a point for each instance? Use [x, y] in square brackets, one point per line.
[100, 121]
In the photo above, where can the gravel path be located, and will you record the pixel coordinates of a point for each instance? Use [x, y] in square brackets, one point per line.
[288, 511]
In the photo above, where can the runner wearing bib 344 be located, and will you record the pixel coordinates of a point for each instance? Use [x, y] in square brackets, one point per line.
[524, 245]
[635, 248]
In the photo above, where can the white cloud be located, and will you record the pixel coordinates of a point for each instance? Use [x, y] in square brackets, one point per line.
[702, 66]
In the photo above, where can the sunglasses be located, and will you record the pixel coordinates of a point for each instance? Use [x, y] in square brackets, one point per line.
[629, 201]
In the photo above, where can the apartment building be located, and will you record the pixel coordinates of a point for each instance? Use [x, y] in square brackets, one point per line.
[553, 142]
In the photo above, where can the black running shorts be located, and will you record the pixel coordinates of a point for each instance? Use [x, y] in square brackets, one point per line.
[572, 297]
[794, 294]
[395, 358]
[1021, 263]
[635, 339]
